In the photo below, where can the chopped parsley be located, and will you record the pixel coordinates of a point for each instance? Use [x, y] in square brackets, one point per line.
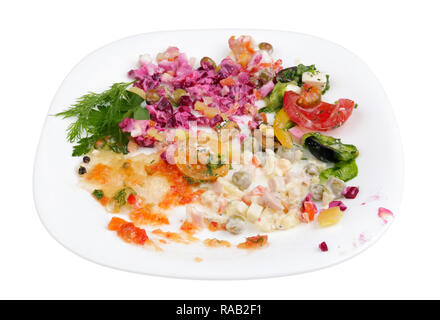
[327, 85]
[121, 196]
[98, 194]
[295, 73]
[191, 180]
[211, 166]
[221, 124]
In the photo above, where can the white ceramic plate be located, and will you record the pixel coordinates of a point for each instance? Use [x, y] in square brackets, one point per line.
[79, 223]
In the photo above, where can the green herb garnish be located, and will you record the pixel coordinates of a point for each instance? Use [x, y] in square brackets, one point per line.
[295, 73]
[344, 170]
[212, 165]
[98, 116]
[120, 197]
[141, 113]
[98, 194]
[327, 84]
[274, 101]
[192, 181]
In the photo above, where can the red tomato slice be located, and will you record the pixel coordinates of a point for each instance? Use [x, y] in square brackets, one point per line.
[323, 117]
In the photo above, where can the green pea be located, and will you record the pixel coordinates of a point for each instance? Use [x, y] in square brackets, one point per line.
[265, 76]
[241, 179]
[176, 95]
[254, 81]
[209, 61]
[235, 224]
[266, 47]
[152, 95]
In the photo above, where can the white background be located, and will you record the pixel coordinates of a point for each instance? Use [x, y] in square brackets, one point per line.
[42, 40]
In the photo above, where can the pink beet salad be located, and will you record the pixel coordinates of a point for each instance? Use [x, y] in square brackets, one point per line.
[179, 91]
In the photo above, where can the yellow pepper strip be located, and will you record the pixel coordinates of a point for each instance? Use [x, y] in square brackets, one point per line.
[281, 124]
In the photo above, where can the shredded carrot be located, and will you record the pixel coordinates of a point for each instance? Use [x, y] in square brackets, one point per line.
[171, 236]
[189, 227]
[258, 95]
[227, 82]
[255, 242]
[104, 201]
[180, 192]
[116, 223]
[146, 216]
[99, 174]
[128, 231]
[215, 226]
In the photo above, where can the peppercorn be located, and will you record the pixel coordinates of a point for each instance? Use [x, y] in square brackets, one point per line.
[265, 46]
[82, 170]
[86, 159]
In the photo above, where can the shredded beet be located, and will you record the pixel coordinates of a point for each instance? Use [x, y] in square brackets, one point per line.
[339, 204]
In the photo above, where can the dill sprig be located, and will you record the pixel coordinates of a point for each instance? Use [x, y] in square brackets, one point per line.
[98, 116]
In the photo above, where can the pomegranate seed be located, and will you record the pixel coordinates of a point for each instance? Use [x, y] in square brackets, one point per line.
[350, 192]
[323, 246]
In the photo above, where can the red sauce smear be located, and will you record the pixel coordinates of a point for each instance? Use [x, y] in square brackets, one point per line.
[99, 174]
[173, 236]
[215, 226]
[181, 192]
[128, 231]
[215, 243]
[189, 228]
[145, 216]
[255, 242]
